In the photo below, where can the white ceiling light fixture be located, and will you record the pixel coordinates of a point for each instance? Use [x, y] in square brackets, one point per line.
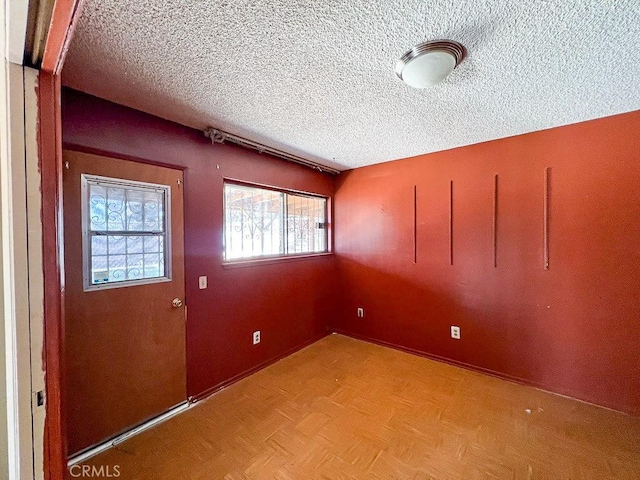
[429, 63]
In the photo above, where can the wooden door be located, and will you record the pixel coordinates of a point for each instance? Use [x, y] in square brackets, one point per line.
[124, 266]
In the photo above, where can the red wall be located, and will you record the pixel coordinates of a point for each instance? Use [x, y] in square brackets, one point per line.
[288, 301]
[572, 329]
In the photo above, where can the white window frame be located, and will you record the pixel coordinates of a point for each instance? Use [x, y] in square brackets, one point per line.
[285, 254]
[86, 234]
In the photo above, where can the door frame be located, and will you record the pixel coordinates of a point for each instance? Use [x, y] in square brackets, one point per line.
[50, 143]
[32, 281]
[60, 31]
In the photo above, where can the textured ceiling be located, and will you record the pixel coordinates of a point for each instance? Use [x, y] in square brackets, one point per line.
[316, 78]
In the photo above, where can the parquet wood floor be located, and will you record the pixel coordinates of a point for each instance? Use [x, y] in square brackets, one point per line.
[343, 408]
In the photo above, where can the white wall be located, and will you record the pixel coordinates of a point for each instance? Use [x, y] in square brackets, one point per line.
[20, 270]
[22, 281]
[4, 471]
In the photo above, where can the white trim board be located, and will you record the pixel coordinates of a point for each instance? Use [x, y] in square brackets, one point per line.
[22, 278]
[36, 268]
[15, 277]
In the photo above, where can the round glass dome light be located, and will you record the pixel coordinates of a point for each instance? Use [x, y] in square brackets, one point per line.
[429, 63]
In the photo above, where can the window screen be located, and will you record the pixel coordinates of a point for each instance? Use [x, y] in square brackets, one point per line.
[125, 228]
[261, 222]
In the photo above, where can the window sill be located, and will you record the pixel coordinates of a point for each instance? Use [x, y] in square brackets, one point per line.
[252, 262]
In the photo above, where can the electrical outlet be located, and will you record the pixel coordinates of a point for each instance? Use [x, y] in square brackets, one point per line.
[455, 332]
[202, 282]
[360, 312]
[256, 337]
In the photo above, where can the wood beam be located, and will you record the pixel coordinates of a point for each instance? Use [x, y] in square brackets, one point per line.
[63, 20]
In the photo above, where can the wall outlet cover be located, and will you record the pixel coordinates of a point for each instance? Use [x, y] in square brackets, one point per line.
[256, 337]
[455, 332]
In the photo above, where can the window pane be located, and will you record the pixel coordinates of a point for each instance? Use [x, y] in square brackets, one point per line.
[117, 268]
[135, 267]
[306, 224]
[136, 212]
[256, 223]
[99, 246]
[97, 207]
[152, 266]
[116, 212]
[151, 244]
[153, 211]
[126, 208]
[99, 269]
[253, 222]
[119, 258]
[134, 244]
[117, 245]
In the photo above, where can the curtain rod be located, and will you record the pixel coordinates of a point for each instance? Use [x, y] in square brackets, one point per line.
[219, 136]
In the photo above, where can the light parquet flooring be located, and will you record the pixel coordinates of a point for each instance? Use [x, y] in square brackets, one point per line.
[343, 408]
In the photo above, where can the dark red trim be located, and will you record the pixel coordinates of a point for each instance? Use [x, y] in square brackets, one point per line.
[262, 186]
[50, 162]
[63, 20]
[216, 388]
[106, 153]
[256, 261]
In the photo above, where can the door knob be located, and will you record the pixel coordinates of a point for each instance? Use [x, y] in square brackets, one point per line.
[177, 303]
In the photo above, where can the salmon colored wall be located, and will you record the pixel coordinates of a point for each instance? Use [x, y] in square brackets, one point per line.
[288, 301]
[572, 329]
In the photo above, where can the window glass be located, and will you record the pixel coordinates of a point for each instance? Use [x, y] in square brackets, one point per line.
[261, 222]
[306, 224]
[253, 222]
[125, 231]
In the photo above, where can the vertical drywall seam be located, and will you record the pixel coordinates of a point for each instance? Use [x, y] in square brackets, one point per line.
[494, 226]
[451, 222]
[415, 224]
[545, 225]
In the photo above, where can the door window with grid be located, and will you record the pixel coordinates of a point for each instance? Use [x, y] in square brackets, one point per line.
[125, 228]
[260, 222]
